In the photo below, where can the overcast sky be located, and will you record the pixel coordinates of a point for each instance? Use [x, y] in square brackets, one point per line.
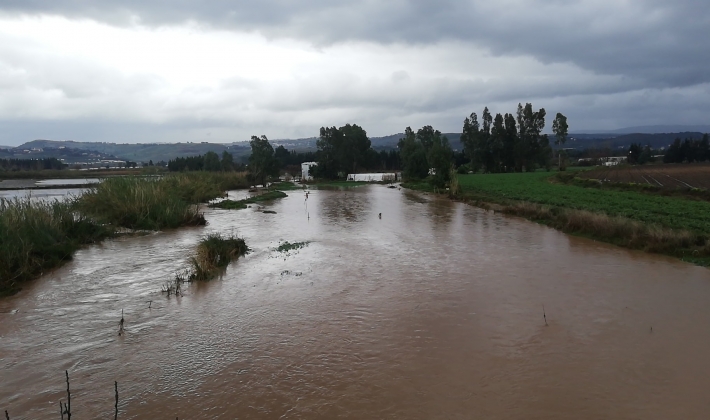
[221, 71]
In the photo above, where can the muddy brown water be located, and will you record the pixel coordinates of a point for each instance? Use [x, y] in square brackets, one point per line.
[432, 312]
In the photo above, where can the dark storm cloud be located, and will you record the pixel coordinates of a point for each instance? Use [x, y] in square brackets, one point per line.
[662, 43]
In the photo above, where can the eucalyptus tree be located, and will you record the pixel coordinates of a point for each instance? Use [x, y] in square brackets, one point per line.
[560, 129]
[413, 156]
[341, 150]
[262, 162]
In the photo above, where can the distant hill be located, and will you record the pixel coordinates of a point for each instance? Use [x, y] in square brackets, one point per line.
[143, 152]
[298, 145]
[67, 154]
[653, 129]
[241, 150]
[614, 141]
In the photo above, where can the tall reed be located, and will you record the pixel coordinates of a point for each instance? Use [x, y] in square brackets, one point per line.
[199, 187]
[37, 235]
[140, 203]
[214, 253]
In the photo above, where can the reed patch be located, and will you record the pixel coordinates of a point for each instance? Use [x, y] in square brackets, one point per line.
[242, 204]
[36, 236]
[214, 253]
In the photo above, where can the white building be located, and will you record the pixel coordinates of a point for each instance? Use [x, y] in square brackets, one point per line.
[375, 177]
[305, 171]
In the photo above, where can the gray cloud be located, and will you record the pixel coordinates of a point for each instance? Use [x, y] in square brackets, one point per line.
[605, 64]
[663, 43]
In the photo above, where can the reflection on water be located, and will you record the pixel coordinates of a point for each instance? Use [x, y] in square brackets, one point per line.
[24, 188]
[47, 194]
[432, 311]
[73, 181]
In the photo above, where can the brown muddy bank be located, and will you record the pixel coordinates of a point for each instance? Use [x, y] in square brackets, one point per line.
[433, 311]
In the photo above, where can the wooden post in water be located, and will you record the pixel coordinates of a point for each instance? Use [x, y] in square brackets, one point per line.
[67, 406]
[544, 316]
[115, 416]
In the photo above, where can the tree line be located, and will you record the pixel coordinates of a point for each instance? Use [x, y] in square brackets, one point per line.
[31, 164]
[210, 162]
[688, 150]
[511, 143]
[340, 151]
[504, 143]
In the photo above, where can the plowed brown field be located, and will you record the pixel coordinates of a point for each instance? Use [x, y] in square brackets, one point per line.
[693, 175]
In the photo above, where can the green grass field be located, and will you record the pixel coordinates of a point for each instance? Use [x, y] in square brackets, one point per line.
[670, 212]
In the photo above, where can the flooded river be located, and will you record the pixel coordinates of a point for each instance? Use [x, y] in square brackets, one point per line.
[434, 311]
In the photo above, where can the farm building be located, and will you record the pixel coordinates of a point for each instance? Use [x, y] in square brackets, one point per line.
[306, 170]
[375, 177]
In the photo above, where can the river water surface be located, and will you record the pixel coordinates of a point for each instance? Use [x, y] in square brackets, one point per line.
[434, 311]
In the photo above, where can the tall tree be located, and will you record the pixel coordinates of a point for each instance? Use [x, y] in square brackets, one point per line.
[560, 129]
[212, 163]
[509, 143]
[439, 159]
[533, 147]
[634, 153]
[227, 161]
[413, 156]
[355, 147]
[262, 163]
[469, 138]
[282, 155]
[341, 150]
[329, 145]
[496, 143]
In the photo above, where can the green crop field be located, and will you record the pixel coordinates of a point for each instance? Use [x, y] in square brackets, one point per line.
[535, 187]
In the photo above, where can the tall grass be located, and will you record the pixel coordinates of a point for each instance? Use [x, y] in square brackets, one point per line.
[214, 253]
[199, 187]
[140, 203]
[37, 236]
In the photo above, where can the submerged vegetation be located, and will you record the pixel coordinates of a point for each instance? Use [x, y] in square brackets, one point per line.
[214, 253]
[242, 204]
[291, 246]
[36, 236]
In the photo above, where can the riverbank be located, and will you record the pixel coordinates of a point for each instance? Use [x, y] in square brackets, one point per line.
[670, 225]
[38, 236]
